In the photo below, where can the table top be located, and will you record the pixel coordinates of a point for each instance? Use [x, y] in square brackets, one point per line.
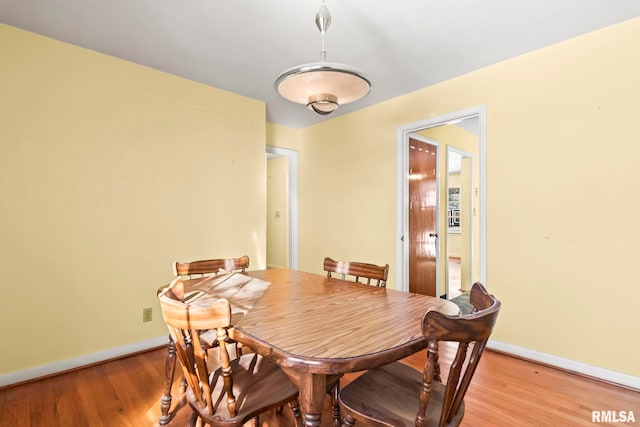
[312, 323]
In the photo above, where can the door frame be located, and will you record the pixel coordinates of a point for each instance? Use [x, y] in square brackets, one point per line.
[402, 188]
[293, 201]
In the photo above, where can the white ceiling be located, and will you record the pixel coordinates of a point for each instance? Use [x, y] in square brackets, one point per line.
[242, 45]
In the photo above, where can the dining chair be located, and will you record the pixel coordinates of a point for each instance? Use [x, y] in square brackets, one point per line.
[398, 395]
[210, 266]
[189, 270]
[240, 389]
[193, 269]
[359, 270]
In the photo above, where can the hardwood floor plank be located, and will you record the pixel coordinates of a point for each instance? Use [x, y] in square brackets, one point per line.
[15, 408]
[506, 391]
[69, 404]
[92, 395]
[42, 411]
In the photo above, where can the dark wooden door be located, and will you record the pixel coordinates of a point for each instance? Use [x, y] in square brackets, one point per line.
[423, 204]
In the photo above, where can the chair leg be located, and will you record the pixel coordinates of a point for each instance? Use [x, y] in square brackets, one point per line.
[335, 406]
[295, 409]
[193, 420]
[348, 421]
[169, 369]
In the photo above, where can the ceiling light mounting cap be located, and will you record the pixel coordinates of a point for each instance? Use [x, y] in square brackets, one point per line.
[323, 103]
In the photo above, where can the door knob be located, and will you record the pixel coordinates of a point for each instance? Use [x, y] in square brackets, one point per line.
[433, 234]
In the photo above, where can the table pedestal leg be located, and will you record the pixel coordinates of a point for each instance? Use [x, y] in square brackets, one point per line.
[312, 388]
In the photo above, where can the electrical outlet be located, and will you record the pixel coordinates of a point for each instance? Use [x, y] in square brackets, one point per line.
[147, 314]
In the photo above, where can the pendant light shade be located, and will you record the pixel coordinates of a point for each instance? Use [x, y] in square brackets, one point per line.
[322, 86]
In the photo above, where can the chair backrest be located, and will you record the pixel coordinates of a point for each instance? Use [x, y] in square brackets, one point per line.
[363, 270]
[184, 322]
[470, 329]
[210, 266]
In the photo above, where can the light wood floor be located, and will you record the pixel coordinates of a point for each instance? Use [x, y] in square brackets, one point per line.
[505, 392]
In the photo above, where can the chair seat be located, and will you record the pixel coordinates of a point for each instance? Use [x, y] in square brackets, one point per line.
[390, 395]
[251, 373]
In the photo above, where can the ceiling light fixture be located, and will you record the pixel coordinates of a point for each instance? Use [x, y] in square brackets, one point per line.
[322, 86]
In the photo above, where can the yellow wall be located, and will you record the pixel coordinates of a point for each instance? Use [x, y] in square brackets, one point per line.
[109, 172]
[347, 191]
[562, 151]
[283, 137]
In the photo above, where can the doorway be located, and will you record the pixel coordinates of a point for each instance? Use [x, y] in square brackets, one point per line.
[282, 208]
[460, 223]
[435, 129]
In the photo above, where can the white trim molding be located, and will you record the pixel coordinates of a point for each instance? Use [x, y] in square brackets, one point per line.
[566, 364]
[80, 361]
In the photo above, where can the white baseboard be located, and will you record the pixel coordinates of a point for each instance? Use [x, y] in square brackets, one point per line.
[536, 356]
[567, 364]
[77, 362]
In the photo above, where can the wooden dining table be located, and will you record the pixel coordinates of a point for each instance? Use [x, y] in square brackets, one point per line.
[315, 326]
